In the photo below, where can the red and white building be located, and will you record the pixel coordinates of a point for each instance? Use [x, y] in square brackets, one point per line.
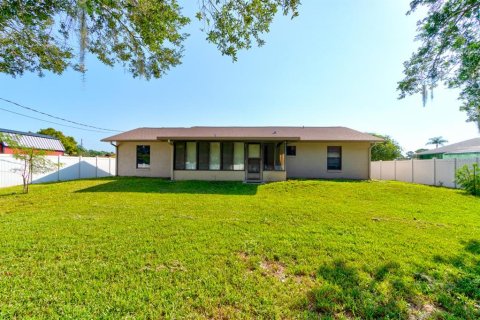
[51, 145]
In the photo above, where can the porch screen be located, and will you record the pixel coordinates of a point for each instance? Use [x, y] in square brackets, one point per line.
[179, 155]
[274, 156]
[203, 155]
[191, 163]
[280, 156]
[214, 156]
[227, 155]
[239, 156]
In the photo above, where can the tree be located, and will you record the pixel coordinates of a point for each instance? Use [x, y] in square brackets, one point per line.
[420, 150]
[71, 146]
[437, 141]
[449, 53]
[410, 154]
[33, 161]
[389, 149]
[145, 36]
[94, 153]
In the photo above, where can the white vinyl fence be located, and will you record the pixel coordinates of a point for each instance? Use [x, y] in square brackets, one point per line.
[434, 172]
[69, 168]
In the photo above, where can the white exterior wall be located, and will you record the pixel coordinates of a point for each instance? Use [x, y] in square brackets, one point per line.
[311, 161]
[160, 159]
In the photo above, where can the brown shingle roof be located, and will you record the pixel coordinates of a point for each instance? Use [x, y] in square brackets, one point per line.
[244, 133]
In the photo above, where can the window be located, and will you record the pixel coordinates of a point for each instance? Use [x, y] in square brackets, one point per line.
[239, 156]
[214, 156]
[203, 155]
[143, 157]
[274, 156]
[280, 156]
[269, 156]
[334, 158]
[291, 150]
[191, 159]
[227, 155]
[180, 155]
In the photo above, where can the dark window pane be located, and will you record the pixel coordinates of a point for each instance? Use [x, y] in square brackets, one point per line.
[143, 156]
[203, 155]
[268, 156]
[179, 155]
[291, 150]
[334, 158]
[227, 156]
[280, 156]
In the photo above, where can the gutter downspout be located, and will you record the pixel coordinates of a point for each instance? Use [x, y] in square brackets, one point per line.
[170, 142]
[116, 158]
[370, 161]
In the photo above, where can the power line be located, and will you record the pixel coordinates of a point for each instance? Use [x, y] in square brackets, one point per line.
[55, 117]
[59, 124]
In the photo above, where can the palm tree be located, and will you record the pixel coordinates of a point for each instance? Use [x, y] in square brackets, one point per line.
[437, 141]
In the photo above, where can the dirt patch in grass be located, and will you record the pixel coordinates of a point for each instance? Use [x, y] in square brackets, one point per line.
[423, 312]
[273, 269]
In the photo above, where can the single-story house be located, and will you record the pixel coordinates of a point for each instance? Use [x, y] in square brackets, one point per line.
[48, 144]
[244, 153]
[468, 149]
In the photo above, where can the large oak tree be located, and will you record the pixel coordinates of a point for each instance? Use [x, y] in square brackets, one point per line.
[449, 53]
[145, 36]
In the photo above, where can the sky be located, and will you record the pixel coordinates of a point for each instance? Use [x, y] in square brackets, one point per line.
[336, 64]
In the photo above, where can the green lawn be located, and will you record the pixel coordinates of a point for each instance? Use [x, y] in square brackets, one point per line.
[149, 248]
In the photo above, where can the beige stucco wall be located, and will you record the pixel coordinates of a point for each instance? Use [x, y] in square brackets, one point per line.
[160, 159]
[311, 161]
[209, 175]
[271, 176]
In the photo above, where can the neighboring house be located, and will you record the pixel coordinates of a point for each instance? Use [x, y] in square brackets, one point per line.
[244, 153]
[467, 149]
[50, 145]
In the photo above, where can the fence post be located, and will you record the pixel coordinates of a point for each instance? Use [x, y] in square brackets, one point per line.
[434, 171]
[79, 167]
[413, 172]
[58, 168]
[381, 170]
[96, 167]
[395, 169]
[109, 166]
[455, 172]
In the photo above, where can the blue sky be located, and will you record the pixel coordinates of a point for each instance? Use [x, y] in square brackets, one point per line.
[337, 64]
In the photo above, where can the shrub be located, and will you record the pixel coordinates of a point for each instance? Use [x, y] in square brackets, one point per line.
[469, 178]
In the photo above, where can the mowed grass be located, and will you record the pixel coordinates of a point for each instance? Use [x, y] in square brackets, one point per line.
[150, 248]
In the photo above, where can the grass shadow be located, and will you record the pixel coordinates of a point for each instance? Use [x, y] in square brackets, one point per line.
[158, 185]
[449, 290]
[345, 292]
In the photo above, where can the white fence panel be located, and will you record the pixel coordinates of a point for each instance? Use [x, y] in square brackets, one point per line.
[68, 168]
[8, 175]
[440, 172]
[50, 176]
[388, 170]
[104, 167]
[375, 172]
[88, 167]
[423, 172]
[404, 170]
[445, 173]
